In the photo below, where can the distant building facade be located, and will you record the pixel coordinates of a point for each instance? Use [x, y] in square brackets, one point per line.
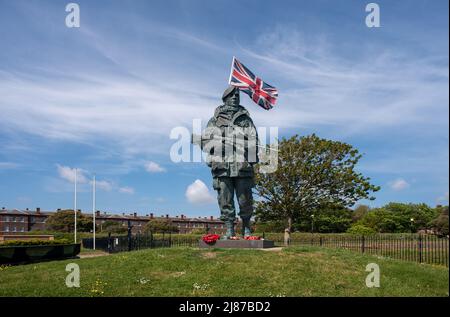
[13, 221]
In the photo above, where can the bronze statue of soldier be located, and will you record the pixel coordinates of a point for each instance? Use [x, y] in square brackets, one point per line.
[230, 140]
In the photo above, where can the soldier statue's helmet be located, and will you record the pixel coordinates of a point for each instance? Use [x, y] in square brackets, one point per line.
[231, 89]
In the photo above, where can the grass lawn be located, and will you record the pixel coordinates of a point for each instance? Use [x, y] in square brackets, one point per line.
[296, 271]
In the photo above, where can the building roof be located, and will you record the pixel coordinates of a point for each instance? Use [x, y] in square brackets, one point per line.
[105, 215]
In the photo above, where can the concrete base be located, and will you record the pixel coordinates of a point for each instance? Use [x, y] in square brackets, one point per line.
[238, 244]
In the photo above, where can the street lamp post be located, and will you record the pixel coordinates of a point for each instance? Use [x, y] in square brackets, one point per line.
[312, 223]
[411, 224]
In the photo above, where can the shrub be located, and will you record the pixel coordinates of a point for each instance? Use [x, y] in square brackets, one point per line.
[361, 230]
[198, 231]
[33, 242]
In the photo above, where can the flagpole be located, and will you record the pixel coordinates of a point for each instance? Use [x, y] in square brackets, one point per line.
[231, 70]
[75, 207]
[93, 211]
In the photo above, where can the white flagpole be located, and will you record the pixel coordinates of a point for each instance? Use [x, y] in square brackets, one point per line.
[93, 210]
[75, 207]
[231, 70]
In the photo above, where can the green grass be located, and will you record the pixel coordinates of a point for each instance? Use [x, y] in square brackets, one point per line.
[296, 271]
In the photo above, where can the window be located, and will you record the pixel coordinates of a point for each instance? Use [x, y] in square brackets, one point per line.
[22, 229]
[7, 228]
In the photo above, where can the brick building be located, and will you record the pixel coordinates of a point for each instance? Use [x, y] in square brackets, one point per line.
[13, 221]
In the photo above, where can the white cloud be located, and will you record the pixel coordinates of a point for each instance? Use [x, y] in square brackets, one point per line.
[126, 190]
[68, 173]
[153, 167]
[104, 185]
[398, 184]
[353, 95]
[198, 193]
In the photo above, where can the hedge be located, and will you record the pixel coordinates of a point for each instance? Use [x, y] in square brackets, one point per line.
[9, 243]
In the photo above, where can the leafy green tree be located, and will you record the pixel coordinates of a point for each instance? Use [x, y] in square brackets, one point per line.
[399, 217]
[358, 229]
[440, 223]
[160, 225]
[359, 212]
[312, 172]
[111, 226]
[326, 219]
[270, 226]
[63, 221]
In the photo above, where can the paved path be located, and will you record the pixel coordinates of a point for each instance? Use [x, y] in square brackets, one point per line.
[92, 255]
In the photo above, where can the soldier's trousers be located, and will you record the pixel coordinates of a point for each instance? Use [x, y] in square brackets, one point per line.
[226, 188]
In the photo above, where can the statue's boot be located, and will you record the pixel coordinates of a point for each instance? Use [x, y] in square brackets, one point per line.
[246, 232]
[230, 230]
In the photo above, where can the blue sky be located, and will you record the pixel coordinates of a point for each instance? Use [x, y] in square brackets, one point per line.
[104, 97]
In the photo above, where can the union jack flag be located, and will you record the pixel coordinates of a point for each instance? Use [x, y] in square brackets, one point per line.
[261, 93]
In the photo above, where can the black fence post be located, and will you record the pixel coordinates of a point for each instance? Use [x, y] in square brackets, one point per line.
[420, 248]
[170, 239]
[109, 242]
[363, 244]
[129, 235]
[320, 241]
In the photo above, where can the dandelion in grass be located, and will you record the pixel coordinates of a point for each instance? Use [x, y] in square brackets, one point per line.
[4, 267]
[200, 287]
[97, 289]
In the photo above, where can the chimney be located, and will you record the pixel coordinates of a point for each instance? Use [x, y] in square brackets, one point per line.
[97, 213]
[79, 210]
[151, 215]
[123, 214]
[211, 218]
[59, 209]
[27, 209]
[167, 216]
[135, 215]
[182, 216]
[38, 210]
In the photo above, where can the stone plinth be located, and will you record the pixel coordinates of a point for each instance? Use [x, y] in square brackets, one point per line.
[238, 244]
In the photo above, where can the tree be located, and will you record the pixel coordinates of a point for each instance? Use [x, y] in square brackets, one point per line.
[63, 221]
[399, 217]
[160, 225]
[359, 212]
[440, 224]
[312, 172]
[111, 226]
[270, 226]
